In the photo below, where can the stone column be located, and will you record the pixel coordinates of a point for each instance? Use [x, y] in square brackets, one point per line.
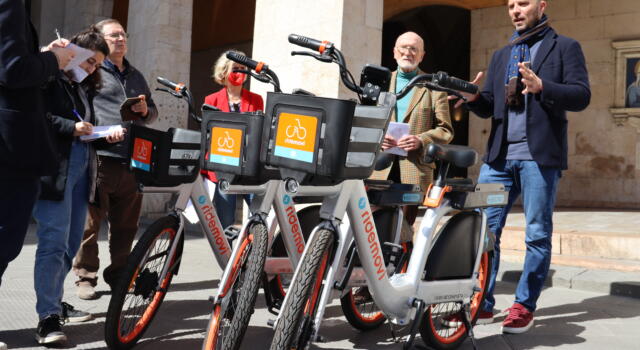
[160, 45]
[354, 26]
[68, 16]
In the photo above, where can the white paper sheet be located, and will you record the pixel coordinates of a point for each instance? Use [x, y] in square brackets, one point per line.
[397, 131]
[82, 55]
[100, 131]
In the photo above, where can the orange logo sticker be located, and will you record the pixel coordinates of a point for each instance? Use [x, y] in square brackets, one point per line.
[296, 136]
[141, 157]
[226, 144]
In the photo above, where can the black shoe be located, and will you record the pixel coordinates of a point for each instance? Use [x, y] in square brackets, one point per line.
[49, 331]
[71, 315]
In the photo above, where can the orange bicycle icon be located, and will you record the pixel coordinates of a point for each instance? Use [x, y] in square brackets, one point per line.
[142, 151]
[226, 142]
[298, 131]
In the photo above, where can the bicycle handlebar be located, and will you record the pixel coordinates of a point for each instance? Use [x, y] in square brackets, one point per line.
[264, 74]
[179, 90]
[313, 44]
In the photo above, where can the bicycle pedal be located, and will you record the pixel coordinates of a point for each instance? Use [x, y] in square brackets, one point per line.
[231, 233]
[212, 299]
[271, 322]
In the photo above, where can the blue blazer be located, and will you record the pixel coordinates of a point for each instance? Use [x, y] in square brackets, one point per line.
[25, 145]
[561, 65]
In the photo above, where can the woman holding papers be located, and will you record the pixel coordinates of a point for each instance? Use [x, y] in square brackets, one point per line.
[61, 209]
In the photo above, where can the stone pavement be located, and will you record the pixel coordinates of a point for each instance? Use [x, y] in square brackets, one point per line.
[567, 316]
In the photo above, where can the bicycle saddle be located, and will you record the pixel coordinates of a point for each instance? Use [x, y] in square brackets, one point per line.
[460, 156]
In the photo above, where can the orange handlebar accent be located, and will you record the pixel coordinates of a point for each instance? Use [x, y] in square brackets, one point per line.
[435, 202]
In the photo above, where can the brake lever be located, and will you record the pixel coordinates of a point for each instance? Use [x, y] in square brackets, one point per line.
[170, 91]
[322, 58]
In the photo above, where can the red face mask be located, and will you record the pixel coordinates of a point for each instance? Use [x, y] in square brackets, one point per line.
[236, 78]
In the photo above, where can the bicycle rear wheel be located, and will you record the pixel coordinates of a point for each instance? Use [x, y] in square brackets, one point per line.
[295, 323]
[358, 306]
[436, 328]
[231, 315]
[138, 295]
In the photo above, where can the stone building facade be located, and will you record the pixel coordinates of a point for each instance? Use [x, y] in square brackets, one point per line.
[176, 39]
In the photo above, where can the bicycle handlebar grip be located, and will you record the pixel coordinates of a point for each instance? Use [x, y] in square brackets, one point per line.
[309, 43]
[244, 60]
[456, 84]
[171, 85]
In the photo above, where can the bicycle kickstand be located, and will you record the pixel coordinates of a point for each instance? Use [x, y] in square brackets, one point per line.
[419, 304]
[466, 318]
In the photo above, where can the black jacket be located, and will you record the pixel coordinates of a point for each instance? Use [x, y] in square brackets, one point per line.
[62, 97]
[25, 146]
[561, 65]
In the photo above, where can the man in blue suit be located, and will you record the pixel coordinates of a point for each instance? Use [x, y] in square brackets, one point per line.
[25, 147]
[531, 84]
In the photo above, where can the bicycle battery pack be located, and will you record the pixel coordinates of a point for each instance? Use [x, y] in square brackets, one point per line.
[454, 253]
[164, 158]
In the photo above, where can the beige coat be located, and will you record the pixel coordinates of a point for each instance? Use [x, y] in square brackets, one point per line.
[429, 119]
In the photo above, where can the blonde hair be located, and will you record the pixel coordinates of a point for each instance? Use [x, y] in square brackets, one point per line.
[222, 67]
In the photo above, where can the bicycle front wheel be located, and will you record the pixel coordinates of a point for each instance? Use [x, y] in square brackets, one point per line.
[139, 293]
[295, 323]
[441, 327]
[231, 315]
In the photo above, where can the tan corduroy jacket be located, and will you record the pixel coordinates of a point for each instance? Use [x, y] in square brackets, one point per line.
[429, 119]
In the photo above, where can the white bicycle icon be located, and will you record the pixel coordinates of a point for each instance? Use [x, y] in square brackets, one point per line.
[299, 131]
[226, 142]
[143, 151]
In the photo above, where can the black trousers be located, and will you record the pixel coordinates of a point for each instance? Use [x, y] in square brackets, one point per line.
[17, 198]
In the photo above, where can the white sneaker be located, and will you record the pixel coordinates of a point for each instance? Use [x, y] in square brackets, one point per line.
[3, 346]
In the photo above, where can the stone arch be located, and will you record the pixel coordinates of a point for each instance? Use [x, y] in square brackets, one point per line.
[395, 7]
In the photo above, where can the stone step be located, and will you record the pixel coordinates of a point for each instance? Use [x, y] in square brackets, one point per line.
[583, 244]
[517, 256]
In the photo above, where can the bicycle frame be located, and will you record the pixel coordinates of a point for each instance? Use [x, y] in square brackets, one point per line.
[394, 295]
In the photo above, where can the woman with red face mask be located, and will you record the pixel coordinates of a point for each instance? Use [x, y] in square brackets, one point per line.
[231, 98]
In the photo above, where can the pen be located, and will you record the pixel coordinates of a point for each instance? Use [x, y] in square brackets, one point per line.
[77, 115]
[58, 34]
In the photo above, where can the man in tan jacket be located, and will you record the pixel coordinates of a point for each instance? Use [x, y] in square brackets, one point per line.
[426, 112]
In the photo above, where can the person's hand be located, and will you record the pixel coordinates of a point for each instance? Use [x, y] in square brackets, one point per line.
[468, 96]
[141, 107]
[83, 128]
[58, 43]
[410, 143]
[532, 83]
[63, 55]
[388, 142]
[116, 136]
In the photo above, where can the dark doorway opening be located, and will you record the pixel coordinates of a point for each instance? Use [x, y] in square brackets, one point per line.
[446, 31]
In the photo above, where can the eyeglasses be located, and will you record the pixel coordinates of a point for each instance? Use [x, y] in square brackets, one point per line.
[407, 49]
[117, 35]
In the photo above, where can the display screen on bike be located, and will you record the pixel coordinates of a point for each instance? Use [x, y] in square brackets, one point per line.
[296, 135]
[225, 147]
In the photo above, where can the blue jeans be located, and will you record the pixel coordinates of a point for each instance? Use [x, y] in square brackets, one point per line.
[538, 188]
[18, 194]
[226, 206]
[60, 230]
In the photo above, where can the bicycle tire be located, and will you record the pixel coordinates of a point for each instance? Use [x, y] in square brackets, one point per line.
[227, 325]
[365, 315]
[308, 219]
[136, 298]
[439, 336]
[295, 322]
